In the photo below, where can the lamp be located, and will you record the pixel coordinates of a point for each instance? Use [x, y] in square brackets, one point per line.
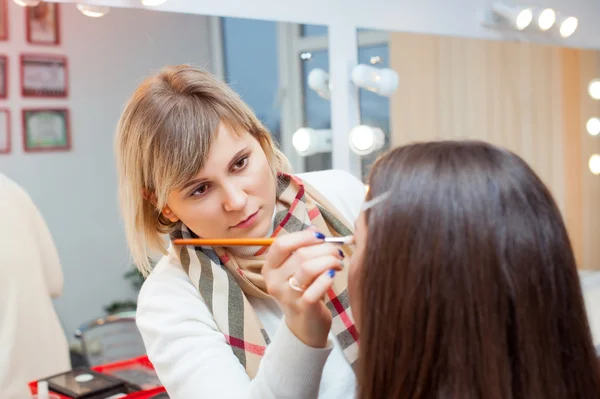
[593, 126]
[594, 89]
[514, 17]
[545, 18]
[93, 11]
[366, 139]
[383, 81]
[318, 80]
[594, 164]
[567, 26]
[27, 3]
[152, 3]
[307, 141]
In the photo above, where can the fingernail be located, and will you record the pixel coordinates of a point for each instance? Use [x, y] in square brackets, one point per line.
[320, 236]
[341, 253]
[331, 273]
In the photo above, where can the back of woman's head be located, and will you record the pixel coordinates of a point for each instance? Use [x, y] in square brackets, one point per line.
[469, 282]
[163, 138]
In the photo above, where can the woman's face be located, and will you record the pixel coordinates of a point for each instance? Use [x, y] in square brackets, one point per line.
[356, 263]
[233, 196]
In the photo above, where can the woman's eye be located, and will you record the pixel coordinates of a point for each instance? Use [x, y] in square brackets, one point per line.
[241, 163]
[200, 190]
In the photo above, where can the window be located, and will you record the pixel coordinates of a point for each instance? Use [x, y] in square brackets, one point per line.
[313, 30]
[268, 64]
[316, 110]
[251, 67]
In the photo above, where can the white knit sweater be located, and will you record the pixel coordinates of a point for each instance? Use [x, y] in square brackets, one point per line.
[33, 342]
[190, 353]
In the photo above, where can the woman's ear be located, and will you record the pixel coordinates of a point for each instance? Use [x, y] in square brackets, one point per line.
[168, 213]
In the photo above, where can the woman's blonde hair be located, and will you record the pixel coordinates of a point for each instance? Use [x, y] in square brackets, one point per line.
[163, 138]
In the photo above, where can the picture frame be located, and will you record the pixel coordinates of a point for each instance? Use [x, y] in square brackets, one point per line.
[43, 24]
[46, 129]
[44, 75]
[3, 77]
[5, 131]
[4, 20]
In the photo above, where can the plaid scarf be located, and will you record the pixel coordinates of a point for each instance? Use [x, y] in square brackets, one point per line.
[225, 280]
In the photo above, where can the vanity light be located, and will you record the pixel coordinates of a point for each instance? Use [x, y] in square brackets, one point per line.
[511, 16]
[545, 18]
[594, 89]
[593, 126]
[366, 139]
[27, 3]
[383, 81]
[594, 164]
[307, 141]
[318, 80]
[568, 26]
[93, 11]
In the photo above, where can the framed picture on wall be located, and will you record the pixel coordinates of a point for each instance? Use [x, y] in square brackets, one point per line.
[4, 19]
[5, 142]
[43, 24]
[3, 76]
[46, 129]
[44, 75]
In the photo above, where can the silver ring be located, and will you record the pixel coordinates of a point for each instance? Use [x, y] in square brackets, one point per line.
[294, 284]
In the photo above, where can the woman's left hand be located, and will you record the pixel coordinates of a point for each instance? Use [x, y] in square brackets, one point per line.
[303, 261]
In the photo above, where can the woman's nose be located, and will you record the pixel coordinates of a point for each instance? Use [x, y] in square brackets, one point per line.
[235, 198]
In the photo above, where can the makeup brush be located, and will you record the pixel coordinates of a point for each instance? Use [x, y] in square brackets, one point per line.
[252, 242]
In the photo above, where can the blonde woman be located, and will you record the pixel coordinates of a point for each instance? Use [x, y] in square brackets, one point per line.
[194, 161]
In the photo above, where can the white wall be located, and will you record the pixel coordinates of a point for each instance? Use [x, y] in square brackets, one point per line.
[443, 17]
[76, 190]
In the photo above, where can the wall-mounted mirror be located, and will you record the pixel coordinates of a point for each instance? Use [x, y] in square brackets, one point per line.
[102, 60]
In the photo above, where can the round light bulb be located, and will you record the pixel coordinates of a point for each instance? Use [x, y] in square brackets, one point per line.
[365, 140]
[318, 80]
[152, 3]
[593, 126]
[27, 3]
[93, 11]
[362, 138]
[524, 18]
[546, 19]
[301, 140]
[568, 27]
[594, 164]
[594, 89]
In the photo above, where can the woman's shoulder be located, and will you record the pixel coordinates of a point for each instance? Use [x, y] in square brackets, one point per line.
[167, 295]
[14, 192]
[341, 188]
[166, 279]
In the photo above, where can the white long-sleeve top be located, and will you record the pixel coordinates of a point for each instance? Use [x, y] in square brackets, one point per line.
[191, 356]
[33, 342]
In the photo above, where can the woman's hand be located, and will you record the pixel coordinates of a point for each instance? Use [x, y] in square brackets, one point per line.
[311, 263]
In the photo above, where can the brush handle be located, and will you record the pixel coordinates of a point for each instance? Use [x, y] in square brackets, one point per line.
[236, 242]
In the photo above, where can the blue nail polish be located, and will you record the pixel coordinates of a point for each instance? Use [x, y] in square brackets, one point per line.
[341, 253]
[320, 236]
[331, 273]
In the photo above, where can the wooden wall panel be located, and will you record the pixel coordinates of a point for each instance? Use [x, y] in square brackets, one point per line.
[529, 98]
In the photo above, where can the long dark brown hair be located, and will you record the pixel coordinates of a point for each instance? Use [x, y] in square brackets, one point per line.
[469, 284]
